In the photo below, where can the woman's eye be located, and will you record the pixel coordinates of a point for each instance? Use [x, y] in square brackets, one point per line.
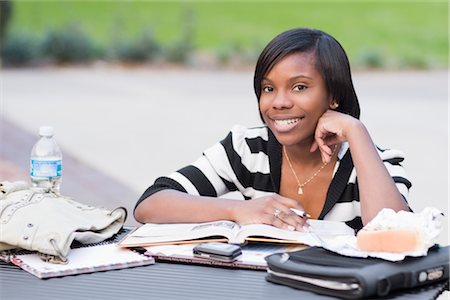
[300, 87]
[267, 89]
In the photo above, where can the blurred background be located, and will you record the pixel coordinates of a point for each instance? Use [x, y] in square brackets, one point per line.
[138, 89]
[389, 34]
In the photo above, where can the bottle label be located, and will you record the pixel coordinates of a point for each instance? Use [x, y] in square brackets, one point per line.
[46, 168]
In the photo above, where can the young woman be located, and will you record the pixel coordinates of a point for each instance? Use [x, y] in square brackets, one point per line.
[313, 154]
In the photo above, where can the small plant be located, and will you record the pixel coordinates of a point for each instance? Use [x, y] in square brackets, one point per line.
[226, 53]
[414, 62]
[19, 49]
[68, 44]
[178, 52]
[144, 48]
[371, 58]
[181, 50]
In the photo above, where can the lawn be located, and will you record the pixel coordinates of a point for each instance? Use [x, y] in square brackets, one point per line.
[408, 33]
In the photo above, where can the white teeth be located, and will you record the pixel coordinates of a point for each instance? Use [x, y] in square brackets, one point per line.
[287, 121]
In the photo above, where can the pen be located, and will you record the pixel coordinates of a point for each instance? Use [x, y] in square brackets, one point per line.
[301, 213]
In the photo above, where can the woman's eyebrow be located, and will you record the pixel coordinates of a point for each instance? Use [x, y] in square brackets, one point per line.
[300, 77]
[290, 79]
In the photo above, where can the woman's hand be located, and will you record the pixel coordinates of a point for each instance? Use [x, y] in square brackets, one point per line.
[272, 210]
[332, 128]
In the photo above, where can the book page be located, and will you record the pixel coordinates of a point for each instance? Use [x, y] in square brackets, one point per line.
[268, 233]
[150, 233]
[83, 260]
[324, 227]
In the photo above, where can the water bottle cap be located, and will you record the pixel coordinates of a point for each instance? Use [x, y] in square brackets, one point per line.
[46, 131]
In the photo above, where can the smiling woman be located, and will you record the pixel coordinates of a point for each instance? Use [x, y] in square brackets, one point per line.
[312, 154]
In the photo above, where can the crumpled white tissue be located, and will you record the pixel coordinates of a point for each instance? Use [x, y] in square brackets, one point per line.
[428, 223]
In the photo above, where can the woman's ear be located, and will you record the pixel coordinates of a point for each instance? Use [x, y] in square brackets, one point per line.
[334, 104]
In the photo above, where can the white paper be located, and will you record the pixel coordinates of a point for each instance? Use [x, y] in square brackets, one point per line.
[83, 260]
[428, 223]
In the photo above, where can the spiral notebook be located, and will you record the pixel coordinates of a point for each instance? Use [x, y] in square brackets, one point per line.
[84, 259]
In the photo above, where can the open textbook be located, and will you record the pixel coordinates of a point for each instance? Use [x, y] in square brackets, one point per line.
[159, 234]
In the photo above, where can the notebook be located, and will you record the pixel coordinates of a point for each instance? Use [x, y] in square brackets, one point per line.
[83, 260]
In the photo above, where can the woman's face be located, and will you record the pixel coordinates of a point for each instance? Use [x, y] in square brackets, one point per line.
[293, 98]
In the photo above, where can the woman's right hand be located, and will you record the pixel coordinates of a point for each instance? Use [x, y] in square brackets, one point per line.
[272, 210]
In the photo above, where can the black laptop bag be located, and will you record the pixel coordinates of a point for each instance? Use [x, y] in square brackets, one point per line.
[321, 271]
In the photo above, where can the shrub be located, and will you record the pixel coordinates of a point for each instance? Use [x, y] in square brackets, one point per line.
[227, 52]
[236, 54]
[181, 50]
[6, 9]
[68, 44]
[19, 49]
[414, 62]
[144, 48]
[371, 58]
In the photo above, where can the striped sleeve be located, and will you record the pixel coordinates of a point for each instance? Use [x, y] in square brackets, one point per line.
[392, 159]
[244, 161]
[198, 178]
[237, 163]
[348, 209]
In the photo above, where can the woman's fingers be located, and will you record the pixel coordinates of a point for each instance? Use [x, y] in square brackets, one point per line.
[314, 146]
[326, 141]
[272, 210]
[287, 221]
[285, 217]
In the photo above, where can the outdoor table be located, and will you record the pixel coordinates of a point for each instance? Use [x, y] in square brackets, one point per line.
[165, 281]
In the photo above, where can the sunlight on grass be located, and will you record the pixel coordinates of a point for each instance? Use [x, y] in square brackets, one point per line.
[404, 33]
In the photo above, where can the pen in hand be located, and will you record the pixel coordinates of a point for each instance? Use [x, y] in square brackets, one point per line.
[301, 213]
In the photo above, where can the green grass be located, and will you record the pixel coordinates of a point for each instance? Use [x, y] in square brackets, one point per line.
[408, 33]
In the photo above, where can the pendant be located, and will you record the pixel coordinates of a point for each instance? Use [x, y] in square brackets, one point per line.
[300, 190]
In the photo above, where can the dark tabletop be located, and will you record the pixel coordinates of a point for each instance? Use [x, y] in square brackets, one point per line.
[163, 281]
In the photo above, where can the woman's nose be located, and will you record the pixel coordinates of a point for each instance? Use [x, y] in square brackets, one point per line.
[281, 101]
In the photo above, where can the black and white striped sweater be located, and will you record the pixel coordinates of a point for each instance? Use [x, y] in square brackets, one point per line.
[249, 161]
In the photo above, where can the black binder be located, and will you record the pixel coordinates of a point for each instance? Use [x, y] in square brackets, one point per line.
[321, 271]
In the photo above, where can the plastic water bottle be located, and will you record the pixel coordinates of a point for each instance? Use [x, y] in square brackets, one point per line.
[46, 161]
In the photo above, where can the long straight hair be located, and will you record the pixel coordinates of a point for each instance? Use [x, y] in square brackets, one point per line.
[330, 59]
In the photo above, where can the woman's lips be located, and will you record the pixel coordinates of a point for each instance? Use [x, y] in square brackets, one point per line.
[285, 125]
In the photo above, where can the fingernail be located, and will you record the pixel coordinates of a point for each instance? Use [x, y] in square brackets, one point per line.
[291, 228]
[305, 228]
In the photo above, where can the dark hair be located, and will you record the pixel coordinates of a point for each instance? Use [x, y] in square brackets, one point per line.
[331, 62]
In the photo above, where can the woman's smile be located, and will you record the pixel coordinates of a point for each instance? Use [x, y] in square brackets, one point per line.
[293, 98]
[286, 124]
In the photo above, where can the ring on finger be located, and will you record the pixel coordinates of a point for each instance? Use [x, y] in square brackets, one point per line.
[276, 212]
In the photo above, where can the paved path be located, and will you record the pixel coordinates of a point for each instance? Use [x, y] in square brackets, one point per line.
[130, 126]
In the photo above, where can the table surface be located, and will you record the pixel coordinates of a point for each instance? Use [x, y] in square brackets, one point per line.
[163, 281]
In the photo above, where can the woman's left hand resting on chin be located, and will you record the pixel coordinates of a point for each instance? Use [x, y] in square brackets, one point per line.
[377, 189]
[332, 129]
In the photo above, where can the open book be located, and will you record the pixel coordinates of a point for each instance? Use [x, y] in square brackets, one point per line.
[83, 260]
[160, 234]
